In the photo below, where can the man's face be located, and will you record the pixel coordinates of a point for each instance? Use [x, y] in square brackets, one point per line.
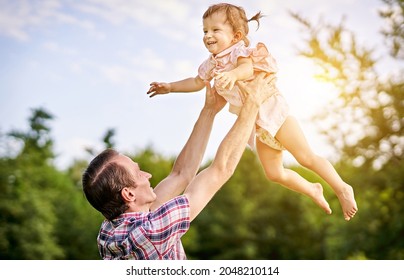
[143, 191]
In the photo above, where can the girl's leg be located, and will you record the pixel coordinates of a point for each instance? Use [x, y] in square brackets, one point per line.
[292, 138]
[272, 163]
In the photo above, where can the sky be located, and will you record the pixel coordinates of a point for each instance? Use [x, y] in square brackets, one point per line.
[90, 63]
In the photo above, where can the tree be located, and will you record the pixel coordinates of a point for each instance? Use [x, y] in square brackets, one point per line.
[36, 141]
[253, 218]
[365, 123]
[27, 184]
[107, 140]
[44, 213]
[393, 13]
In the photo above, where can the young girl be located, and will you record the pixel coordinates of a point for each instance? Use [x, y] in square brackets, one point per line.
[225, 29]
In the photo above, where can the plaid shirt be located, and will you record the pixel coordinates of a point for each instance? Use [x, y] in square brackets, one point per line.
[147, 236]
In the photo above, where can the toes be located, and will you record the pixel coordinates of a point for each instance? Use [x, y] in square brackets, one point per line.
[348, 216]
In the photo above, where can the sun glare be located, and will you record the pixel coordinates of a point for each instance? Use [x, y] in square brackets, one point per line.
[305, 92]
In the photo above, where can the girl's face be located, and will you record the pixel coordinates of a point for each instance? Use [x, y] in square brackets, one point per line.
[218, 33]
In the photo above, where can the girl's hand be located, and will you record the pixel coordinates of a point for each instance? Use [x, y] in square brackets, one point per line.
[226, 80]
[159, 88]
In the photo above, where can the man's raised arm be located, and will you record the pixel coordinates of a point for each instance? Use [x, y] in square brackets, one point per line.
[188, 161]
[210, 180]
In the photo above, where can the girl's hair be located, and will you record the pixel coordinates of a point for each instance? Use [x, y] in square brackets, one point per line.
[236, 17]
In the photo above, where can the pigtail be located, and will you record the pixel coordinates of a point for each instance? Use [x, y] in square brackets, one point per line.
[257, 17]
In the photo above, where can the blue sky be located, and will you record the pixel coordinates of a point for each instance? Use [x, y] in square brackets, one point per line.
[90, 63]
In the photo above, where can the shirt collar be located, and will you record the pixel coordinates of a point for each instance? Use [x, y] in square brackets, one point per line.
[229, 49]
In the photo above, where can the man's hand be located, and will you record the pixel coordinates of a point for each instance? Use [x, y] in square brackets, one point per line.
[213, 100]
[259, 89]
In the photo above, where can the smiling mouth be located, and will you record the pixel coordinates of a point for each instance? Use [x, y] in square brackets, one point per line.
[210, 43]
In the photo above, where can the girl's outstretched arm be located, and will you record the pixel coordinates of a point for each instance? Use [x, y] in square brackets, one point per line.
[187, 85]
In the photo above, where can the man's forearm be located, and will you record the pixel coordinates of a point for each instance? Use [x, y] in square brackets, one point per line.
[188, 161]
[190, 158]
[233, 145]
[210, 180]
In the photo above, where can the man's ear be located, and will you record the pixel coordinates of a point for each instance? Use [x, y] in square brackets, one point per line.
[128, 194]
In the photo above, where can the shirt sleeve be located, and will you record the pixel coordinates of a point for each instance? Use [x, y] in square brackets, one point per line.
[169, 223]
[261, 57]
[205, 70]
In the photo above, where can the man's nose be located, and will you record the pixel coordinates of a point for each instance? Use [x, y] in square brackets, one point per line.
[147, 175]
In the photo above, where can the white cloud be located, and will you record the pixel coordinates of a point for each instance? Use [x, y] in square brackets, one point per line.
[154, 61]
[170, 18]
[82, 23]
[13, 20]
[148, 65]
[118, 74]
[148, 13]
[56, 47]
[19, 18]
[174, 19]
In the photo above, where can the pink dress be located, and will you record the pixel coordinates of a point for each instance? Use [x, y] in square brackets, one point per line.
[273, 112]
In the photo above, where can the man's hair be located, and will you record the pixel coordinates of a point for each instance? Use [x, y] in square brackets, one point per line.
[236, 17]
[103, 181]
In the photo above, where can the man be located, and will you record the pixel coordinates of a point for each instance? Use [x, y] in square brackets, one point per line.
[146, 223]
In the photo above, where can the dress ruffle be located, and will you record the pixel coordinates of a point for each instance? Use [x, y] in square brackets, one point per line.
[261, 57]
[227, 60]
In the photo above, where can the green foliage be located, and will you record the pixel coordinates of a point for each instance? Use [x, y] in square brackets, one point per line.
[109, 143]
[252, 218]
[365, 123]
[43, 211]
[28, 185]
[382, 193]
[393, 14]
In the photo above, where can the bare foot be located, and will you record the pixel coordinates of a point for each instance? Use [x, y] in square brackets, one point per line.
[319, 199]
[347, 201]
